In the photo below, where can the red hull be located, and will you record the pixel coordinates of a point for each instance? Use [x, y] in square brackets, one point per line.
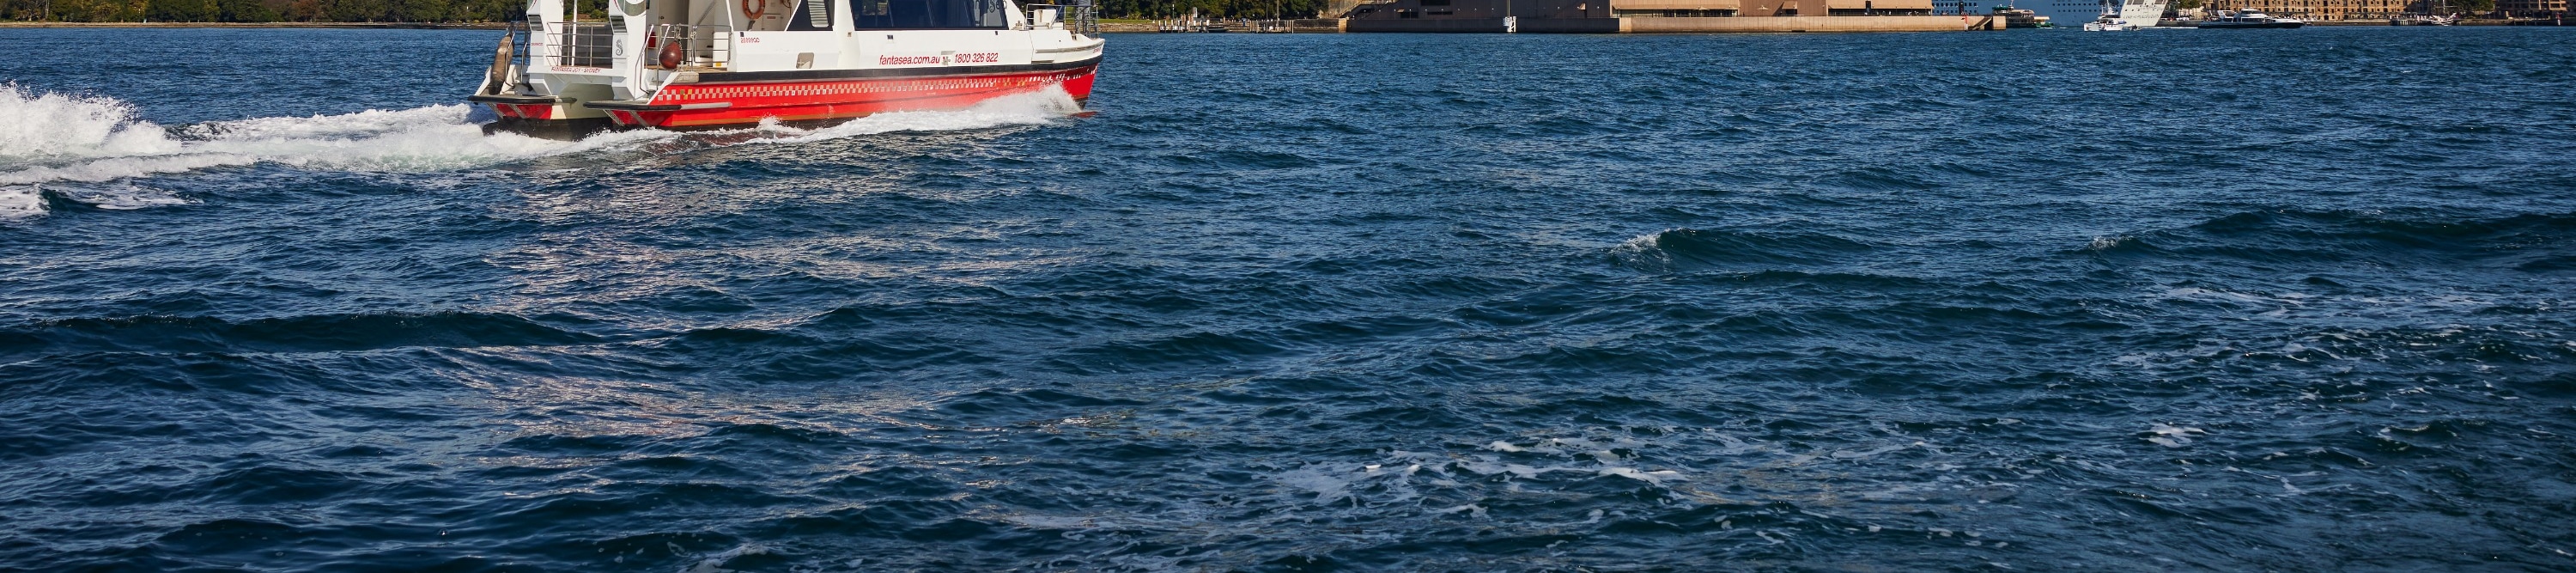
[839, 99]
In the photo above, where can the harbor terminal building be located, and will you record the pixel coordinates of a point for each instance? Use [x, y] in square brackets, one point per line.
[2348, 10]
[2324, 9]
[1617, 16]
[2531, 8]
[1636, 16]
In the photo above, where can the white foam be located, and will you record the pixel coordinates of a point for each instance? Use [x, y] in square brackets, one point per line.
[21, 201]
[1031, 108]
[51, 139]
[119, 197]
[1644, 251]
[1656, 477]
[1472, 510]
[715, 563]
[432, 138]
[2172, 436]
[57, 125]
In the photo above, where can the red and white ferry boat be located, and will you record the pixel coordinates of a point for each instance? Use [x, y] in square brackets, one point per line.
[677, 64]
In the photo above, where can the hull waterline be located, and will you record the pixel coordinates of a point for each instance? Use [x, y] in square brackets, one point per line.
[722, 105]
[820, 101]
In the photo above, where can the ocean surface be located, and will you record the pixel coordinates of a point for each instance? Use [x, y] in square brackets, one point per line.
[2034, 300]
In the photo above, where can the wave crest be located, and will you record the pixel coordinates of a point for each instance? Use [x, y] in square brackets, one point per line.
[56, 125]
[1685, 250]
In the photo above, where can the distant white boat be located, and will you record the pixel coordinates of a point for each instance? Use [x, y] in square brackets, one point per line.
[2249, 19]
[2109, 24]
[2126, 15]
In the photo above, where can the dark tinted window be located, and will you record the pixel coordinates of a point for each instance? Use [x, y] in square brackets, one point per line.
[927, 14]
[813, 15]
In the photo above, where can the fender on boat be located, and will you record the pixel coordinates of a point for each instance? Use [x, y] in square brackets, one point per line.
[632, 105]
[516, 99]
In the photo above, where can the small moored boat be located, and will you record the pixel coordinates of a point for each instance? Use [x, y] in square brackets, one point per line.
[678, 64]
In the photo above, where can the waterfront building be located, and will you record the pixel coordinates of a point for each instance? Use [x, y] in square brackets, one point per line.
[1605, 16]
[1768, 8]
[2531, 8]
[2326, 9]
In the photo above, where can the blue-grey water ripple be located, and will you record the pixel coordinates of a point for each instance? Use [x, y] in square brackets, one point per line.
[2033, 300]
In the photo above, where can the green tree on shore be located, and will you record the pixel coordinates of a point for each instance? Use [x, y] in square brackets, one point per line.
[247, 11]
[76, 10]
[208, 11]
[182, 10]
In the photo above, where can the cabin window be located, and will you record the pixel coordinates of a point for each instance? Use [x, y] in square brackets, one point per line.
[817, 15]
[929, 14]
[1435, 2]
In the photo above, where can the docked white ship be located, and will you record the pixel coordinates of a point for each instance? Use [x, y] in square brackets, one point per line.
[2227, 19]
[2126, 15]
[723, 63]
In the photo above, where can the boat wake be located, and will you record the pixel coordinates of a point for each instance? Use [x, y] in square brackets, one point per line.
[87, 149]
[1031, 108]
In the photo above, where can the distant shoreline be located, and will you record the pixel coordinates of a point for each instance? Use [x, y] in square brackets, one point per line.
[1107, 26]
[346, 25]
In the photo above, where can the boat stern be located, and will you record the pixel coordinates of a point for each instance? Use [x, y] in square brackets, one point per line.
[545, 70]
[655, 64]
[551, 117]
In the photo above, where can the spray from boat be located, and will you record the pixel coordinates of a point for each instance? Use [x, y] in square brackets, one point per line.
[97, 151]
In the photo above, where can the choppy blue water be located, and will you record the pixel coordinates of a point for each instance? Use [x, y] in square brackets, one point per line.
[2032, 300]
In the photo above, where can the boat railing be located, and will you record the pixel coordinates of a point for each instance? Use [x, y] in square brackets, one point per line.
[1080, 16]
[518, 32]
[702, 46]
[580, 44]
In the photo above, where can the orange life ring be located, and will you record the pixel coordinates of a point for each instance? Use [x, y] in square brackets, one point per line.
[752, 9]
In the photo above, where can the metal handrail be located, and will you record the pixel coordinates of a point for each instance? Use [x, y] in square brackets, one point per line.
[518, 32]
[704, 46]
[582, 44]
